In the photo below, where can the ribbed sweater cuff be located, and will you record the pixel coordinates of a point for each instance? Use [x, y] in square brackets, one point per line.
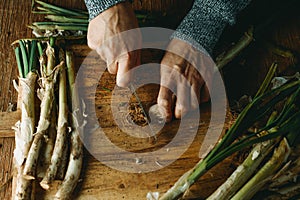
[95, 7]
[204, 24]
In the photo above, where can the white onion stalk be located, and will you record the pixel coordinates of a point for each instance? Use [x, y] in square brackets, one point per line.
[24, 134]
[61, 138]
[76, 152]
[244, 171]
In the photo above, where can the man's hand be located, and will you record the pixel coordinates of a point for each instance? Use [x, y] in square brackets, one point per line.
[104, 37]
[190, 86]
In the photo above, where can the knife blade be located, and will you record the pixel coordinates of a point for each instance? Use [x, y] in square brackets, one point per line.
[133, 90]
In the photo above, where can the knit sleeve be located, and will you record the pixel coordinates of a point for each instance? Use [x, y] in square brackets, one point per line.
[205, 22]
[95, 7]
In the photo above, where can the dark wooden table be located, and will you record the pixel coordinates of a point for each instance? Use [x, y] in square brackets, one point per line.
[243, 76]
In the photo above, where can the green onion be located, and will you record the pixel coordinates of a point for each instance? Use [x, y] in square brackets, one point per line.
[24, 57]
[40, 49]
[59, 9]
[19, 62]
[61, 26]
[63, 19]
[267, 80]
[33, 56]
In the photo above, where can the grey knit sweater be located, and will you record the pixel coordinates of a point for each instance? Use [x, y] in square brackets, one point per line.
[202, 26]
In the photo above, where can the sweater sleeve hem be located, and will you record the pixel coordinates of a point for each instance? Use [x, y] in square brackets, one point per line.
[95, 7]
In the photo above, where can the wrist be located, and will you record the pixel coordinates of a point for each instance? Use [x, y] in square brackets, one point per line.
[204, 24]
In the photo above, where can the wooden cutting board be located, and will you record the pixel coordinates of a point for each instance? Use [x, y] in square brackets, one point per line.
[99, 181]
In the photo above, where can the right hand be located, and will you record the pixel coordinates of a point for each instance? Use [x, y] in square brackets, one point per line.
[116, 53]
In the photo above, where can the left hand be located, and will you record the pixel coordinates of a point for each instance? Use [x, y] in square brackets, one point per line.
[185, 78]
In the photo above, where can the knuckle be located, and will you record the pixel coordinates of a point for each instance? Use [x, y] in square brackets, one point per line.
[163, 102]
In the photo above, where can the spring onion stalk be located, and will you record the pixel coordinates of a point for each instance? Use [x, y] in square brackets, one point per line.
[26, 127]
[49, 11]
[56, 18]
[24, 135]
[19, 62]
[43, 12]
[61, 138]
[228, 56]
[33, 56]
[59, 26]
[50, 136]
[24, 57]
[62, 168]
[76, 152]
[267, 80]
[59, 9]
[49, 141]
[28, 113]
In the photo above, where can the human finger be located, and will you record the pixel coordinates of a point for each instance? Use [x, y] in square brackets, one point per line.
[125, 64]
[183, 99]
[164, 101]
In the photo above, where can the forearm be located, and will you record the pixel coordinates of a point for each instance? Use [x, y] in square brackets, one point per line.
[205, 22]
[95, 7]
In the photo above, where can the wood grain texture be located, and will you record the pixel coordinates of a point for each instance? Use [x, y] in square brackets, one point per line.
[8, 120]
[241, 77]
[15, 15]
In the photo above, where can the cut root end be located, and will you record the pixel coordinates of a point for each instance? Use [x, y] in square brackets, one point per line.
[28, 177]
[45, 185]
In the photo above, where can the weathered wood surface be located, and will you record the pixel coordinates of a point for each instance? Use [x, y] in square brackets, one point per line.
[239, 79]
[8, 120]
